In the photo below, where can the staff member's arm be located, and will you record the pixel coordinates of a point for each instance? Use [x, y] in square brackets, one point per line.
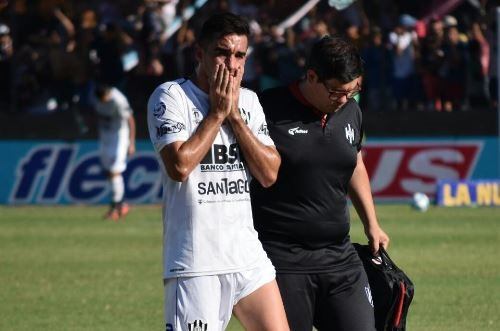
[263, 161]
[181, 157]
[361, 197]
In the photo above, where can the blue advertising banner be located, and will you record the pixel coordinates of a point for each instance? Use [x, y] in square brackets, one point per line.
[468, 193]
[58, 172]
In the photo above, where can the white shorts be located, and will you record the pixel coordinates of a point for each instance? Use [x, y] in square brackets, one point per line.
[206, 302]
[113, 153]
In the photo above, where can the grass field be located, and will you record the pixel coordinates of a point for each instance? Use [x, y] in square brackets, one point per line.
[63, 268]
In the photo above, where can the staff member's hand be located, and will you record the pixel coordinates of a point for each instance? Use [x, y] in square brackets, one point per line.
[376, 238]
[221, 88]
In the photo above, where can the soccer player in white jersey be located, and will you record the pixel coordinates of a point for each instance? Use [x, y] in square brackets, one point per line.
[211, 139]
[117, 141]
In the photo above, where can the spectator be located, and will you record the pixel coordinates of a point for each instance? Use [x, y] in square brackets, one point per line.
[493, 68]
[168, 11]
[403, 41]
[268, 58]
[49, 40]
[432, 60]
[185, 57]
[3, 4]
[246, 8]
[84, 72]
[153, 27]
[376, 79]
[110, 46]
[453, 70]
[6, 52]
[477, 75]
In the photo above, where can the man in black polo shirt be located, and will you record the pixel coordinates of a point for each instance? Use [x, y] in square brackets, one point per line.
[303, 219]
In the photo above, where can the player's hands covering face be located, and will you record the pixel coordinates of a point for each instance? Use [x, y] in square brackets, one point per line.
[221, 90]
[238, 76]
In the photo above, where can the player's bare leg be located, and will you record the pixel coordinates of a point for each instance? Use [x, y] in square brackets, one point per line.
[118, 209]
[112, 214]
[262, 310]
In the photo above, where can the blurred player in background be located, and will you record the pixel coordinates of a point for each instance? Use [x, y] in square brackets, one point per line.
[201, 128]
[117, 141]
[303, 219]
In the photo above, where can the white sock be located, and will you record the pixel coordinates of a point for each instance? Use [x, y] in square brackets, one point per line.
[117, 188]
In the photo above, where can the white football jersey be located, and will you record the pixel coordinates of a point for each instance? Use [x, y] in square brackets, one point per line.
[114, 132]
[113, 116]
[208, 226]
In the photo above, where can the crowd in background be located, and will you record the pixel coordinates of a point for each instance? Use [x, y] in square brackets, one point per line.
[52, 52]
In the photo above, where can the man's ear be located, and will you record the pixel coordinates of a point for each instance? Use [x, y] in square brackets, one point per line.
[311, 76]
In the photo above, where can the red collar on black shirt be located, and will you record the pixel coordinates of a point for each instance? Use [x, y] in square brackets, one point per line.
[294, 88]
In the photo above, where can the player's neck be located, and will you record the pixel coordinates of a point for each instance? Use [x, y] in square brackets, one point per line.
[199, 79]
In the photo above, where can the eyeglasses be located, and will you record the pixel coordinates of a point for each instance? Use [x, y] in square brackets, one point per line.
[337, 94]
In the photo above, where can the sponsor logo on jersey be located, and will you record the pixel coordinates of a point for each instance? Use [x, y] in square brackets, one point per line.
[169, 127]
[349, 133]
[224, 187]
[245, 115]
[159, 110]
[198, 117]
[222, 158]
[197, 325]
[263, 129]
[297, 130]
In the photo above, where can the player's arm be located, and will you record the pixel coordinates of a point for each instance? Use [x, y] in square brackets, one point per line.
[361, 197]
[263, 161]
[181, 157]
[131, 126]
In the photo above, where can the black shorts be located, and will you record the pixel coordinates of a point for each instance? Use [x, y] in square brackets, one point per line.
[336, 301]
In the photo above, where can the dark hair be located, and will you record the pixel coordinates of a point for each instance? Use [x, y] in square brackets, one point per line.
[101, 89]
[335, 58]
[220, 25]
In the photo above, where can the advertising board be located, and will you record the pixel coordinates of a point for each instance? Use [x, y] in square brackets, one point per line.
[56, 172]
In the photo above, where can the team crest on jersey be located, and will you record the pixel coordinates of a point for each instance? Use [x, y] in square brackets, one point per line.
[198, 325]
[168, 127]
[245, 115]
[198, 117]
[159, 109]
[349, 133]
[263, 129]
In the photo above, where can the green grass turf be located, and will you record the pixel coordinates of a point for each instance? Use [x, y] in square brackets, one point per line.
[63, 268]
